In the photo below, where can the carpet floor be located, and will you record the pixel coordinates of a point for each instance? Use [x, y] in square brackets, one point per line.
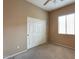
[47, 51]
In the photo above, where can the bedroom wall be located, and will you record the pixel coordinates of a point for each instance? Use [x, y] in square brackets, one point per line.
[15, 18]
[54, 37]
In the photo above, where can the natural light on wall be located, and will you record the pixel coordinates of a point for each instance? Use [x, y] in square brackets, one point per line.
[66, 24]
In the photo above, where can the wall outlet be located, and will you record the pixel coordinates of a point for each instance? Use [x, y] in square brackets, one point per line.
[18, 47]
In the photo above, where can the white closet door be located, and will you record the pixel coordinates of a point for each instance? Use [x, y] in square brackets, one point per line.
[36, 31]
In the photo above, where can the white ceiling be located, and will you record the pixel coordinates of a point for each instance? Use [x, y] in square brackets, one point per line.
[51, 5]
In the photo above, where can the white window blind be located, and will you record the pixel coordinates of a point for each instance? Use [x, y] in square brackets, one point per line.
[62, 25]
[66, 24]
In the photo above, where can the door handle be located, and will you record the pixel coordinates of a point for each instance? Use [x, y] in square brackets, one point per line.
[27, 34]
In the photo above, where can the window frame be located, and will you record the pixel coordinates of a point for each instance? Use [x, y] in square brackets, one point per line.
[66, 24]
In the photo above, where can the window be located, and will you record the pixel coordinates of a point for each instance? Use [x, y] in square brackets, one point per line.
[66, 24]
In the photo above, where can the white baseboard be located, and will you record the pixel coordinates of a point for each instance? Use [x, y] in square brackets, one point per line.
[14, 54]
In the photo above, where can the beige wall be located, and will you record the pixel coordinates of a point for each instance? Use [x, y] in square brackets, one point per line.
[15, 18]
[65, 40]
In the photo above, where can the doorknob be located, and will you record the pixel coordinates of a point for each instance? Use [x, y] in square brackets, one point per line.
[27, 34]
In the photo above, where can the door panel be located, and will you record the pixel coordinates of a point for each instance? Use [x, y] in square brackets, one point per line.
[36, 32]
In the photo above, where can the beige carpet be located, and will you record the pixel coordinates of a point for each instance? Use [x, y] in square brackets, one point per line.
[47, 51]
